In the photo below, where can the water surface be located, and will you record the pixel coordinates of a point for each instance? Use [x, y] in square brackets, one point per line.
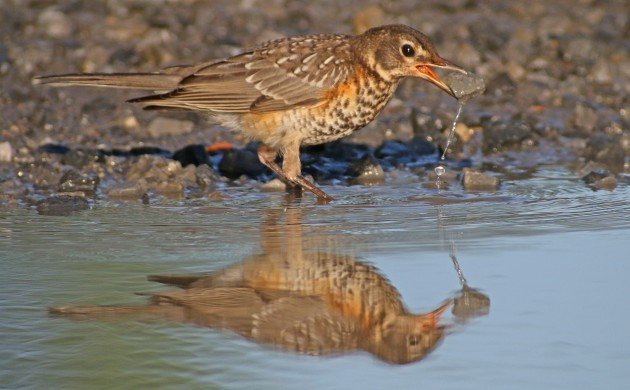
[551, 255]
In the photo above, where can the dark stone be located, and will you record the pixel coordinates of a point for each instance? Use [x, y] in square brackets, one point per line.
[53, 149]
[420, 146]
[500, 134]
[139, 151]
[62, 205]
[73, 181]
[192, 154]
[366, 170]
[79, 158]
[594, 176]
[238, 162]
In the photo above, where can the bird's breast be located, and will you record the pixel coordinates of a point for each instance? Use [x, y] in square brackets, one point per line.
[348, 107]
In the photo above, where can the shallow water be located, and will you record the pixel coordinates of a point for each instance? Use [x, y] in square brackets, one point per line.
[551, 255]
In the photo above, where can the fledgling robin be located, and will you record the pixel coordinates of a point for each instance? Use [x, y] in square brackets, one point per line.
[290, 92]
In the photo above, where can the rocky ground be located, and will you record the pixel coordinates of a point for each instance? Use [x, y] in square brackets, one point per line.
[557, 92]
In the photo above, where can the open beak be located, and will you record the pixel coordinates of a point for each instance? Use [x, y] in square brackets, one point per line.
[426, 72]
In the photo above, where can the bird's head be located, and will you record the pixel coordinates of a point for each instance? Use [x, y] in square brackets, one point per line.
[397, 51]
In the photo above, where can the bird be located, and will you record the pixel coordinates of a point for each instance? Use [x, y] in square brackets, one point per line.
[289, 92]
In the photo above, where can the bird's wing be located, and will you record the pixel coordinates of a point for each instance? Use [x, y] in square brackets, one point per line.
[279, 75]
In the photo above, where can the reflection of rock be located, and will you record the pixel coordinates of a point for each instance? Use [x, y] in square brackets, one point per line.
[300, 300]
[62, 205]
[470, 303]
[477, 181]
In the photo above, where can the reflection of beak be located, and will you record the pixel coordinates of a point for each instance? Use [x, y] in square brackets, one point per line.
[427, 73]
[431, 319]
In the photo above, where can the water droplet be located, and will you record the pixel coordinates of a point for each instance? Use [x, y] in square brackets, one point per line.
[453, 125]
[440, 170]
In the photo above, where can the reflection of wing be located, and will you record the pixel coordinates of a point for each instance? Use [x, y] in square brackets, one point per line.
[305, 325]
[227, 307]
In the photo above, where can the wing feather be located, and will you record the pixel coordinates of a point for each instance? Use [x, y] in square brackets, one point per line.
[279, 75]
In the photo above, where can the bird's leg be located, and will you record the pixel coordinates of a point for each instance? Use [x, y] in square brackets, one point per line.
[292, 167]
[291, 162]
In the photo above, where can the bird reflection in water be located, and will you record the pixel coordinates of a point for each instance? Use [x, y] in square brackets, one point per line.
[295, 297]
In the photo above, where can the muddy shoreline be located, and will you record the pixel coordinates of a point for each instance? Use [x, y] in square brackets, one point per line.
[557, 93]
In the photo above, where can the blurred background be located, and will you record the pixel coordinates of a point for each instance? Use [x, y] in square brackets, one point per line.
[558, 68]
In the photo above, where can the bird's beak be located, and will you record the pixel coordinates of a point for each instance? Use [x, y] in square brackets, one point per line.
[426, 72]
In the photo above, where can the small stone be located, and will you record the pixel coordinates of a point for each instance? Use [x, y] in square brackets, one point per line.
[55, 23]
[593, 176]
[465, 86]
[128, 190]
[206, 177]
[153, 168]
[476, 181]
[62, 205]
[608, 183]
[160, 127]
[171, 189]
[188, 176]
[500, 134]
[238, 162]
[366, 171]
[192, 154]
[274, 185]
[73, 181]
[6, 152]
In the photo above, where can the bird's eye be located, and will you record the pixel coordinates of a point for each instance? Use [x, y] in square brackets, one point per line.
[407, 50]
[413, 340]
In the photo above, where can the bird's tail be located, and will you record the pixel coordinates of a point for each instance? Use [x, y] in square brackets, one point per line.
[156, 312]
[150, 81]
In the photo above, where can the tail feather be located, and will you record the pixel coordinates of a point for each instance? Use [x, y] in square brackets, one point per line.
[150, 81]
[163, 312]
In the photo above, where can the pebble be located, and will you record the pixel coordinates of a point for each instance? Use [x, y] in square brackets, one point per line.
[73, 181]
[55, 23]
[366, 171]
[274, 185]
[206, 177]
[473, 180]
[128, 190]
[465, 86]
[500, 134]
[161, 127]
[6, 152]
